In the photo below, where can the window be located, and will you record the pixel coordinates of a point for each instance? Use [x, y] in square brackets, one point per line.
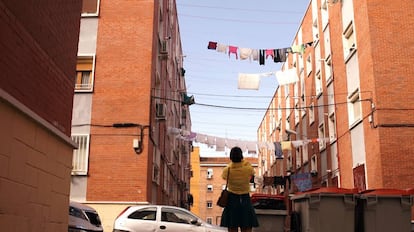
[318, 84]
[209, 188]
[80, 155]
[324, 13]
[305, 155]
[90, 7]
[314, 163]
[332, 127]
[209, 220]
[144, 214]
[349, 40]
[311, 114]
[209, 204]
[302, 95]
[155, 174]
[84, 74]
[176, 216]
[209, 173]
[308, 65]
[298, 158]
[289, 162]
[315, 30]
[354, 108]
[328, 69]
[297, 114]
[321, 136]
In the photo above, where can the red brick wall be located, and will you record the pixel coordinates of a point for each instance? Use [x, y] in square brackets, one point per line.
[340, 86]
[121, 94]
[391, 32]
[39, 46]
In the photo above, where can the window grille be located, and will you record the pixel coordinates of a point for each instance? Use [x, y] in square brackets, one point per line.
[81, 155]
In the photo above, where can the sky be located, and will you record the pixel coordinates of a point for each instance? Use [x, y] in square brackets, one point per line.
[221, 109]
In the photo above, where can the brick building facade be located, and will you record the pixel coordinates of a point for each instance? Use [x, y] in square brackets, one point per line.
[351, 108]
[128, 104]
[38, 43]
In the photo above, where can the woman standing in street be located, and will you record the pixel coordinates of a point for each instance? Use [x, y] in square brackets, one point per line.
[239, 212]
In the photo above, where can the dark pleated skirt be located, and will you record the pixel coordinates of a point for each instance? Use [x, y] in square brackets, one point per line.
[239, 212]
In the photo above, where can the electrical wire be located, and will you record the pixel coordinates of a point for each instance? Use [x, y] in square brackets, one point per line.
[239, 20]
[265, 109]
[242, 9]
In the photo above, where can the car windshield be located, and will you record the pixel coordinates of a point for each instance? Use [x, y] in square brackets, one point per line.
[93, 218]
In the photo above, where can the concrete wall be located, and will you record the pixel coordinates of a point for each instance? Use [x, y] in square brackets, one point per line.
[35, 166]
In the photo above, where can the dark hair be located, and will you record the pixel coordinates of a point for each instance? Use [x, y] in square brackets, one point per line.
[236, 154]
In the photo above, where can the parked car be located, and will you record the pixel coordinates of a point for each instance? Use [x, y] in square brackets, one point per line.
[157, 218]
[83, 218]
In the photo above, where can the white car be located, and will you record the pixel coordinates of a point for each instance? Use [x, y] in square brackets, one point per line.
[157, 218]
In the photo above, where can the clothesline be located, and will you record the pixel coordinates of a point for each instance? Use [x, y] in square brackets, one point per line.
[221, 143]
[259, 55]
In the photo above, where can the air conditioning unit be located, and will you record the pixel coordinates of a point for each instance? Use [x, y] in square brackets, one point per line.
[160, 110]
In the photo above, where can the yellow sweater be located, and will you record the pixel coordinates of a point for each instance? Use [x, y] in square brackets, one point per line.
[240, 174]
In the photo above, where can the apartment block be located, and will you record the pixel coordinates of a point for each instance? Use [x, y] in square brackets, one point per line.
[129, 116]
[207, 184]
[349, 117]
[38, 43]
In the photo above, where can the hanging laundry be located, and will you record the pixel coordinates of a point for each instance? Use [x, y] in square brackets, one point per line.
[297, 143]
[211, 141]
[245, 53]
[173, 131]
[268, 181]
[276, 58]
[278, 150]
[279, 181]
[286, 145]
[233, 49]
[298, 49]
[261, 56]
[251, 146]
[221, 48]
[220, 144]
[201, 138]
[255, 54]
[280, 55]
[191, 136]
[212, 45]
[287, 77]
[269, 52]
[249, 81]
[302, 181]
